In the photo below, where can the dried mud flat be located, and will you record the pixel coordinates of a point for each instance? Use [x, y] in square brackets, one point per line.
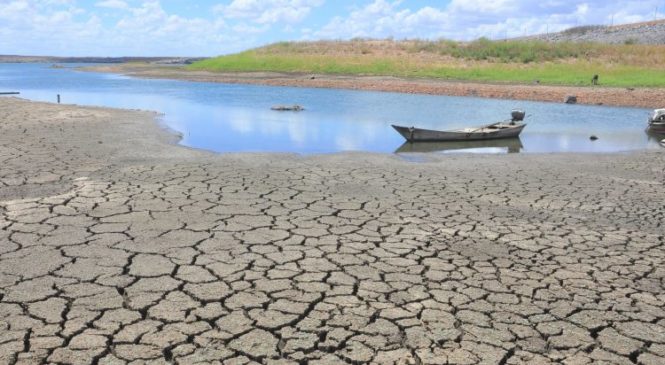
[614, 96]
[117, 246]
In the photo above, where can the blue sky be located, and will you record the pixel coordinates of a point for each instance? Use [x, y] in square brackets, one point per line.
[213, 27]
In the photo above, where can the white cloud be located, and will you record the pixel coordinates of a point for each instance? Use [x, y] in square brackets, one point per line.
[383, 18]
[151, 27]
[470, 19]
[12, 8]
[58, 27]
[30, 17]
[145, 27]
[268, 11]
[112, 4]
[484, 6]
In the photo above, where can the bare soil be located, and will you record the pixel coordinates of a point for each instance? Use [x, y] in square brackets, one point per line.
[119, 247]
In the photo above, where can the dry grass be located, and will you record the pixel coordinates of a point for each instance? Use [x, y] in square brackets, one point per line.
[481, 60]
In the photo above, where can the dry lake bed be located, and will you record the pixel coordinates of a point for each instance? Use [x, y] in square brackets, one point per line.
[118, 246]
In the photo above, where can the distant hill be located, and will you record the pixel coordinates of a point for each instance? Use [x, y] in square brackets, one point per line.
[651, 33]
[50, 59]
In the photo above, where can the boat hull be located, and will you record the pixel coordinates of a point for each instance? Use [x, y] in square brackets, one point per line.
[479, 134]
[658, 128]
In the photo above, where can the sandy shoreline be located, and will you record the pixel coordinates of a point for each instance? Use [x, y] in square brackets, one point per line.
[651, 98]
[118, 246]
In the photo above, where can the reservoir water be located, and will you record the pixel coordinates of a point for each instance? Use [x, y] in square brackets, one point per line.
[237, 118]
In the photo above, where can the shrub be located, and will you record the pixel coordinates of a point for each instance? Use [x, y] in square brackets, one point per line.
[517, 51]
[584, 29]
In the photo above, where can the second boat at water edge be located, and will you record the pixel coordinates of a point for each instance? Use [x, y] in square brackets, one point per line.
[506, 129]
[656, 123]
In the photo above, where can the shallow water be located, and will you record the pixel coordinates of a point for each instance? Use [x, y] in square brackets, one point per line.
[237, 118]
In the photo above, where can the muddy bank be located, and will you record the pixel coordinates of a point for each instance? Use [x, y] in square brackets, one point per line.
[633, 97]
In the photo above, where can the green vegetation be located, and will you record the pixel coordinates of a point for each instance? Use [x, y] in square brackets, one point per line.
[625, 65]
[508, 51]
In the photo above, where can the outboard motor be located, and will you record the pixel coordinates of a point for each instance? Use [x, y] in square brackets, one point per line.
[517, 115]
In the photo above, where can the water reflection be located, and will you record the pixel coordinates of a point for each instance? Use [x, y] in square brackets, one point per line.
[656, 138]
[507, 145]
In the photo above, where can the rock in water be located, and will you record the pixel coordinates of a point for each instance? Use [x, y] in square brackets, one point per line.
[593, 138]
[571, 99]
[293, 108]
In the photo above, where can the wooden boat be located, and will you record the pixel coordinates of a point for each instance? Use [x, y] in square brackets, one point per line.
[506, 129]
[491, 131]
[512, 145]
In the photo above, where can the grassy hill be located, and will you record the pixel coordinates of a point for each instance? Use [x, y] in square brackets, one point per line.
[521, 61]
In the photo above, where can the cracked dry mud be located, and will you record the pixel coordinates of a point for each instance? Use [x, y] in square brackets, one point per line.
[117, 246]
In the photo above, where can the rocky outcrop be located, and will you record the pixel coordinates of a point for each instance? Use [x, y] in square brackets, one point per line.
[637, 33]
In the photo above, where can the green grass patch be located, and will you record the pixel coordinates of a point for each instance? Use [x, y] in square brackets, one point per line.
[578, 74]
[481, 60]
[484, 49]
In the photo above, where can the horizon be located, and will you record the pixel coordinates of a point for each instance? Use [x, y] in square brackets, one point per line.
[171, 28]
